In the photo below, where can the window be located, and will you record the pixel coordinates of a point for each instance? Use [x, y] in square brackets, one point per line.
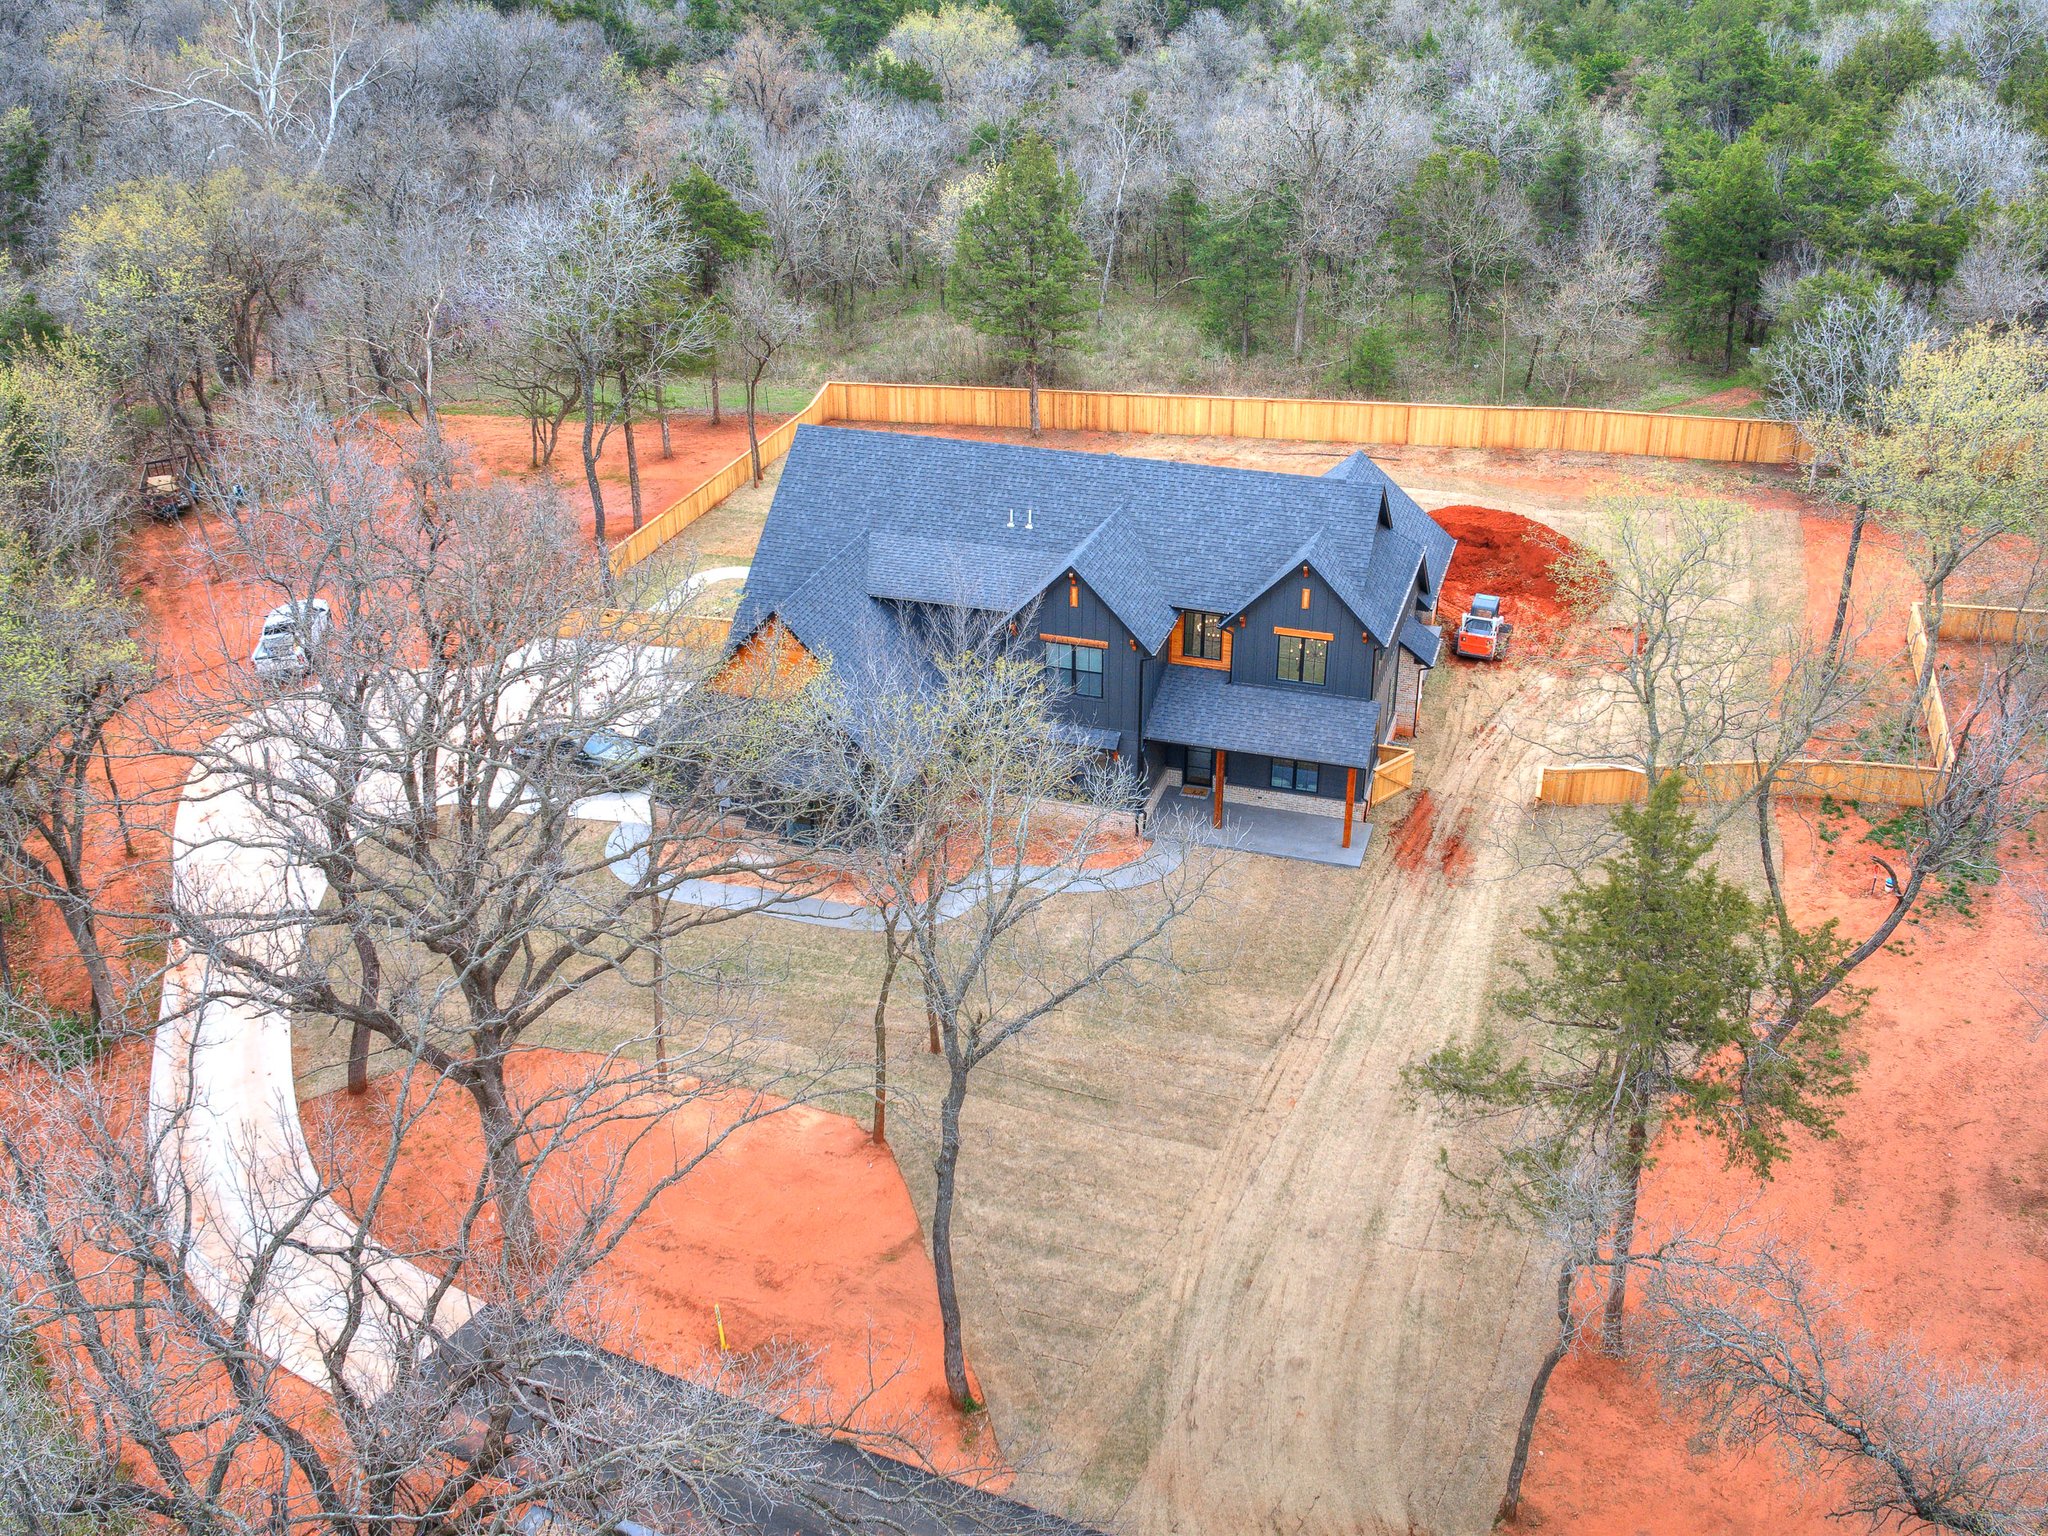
[1300, 777]
[1200, 772]
[1075, 669]
[1201, 636]
[1303, 660]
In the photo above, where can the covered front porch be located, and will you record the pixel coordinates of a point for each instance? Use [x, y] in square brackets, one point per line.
[1277, 833]
[1245, 757]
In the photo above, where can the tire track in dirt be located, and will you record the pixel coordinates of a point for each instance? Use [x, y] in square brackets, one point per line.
[1331, 1349]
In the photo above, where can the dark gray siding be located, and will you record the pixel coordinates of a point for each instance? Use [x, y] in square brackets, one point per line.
[1387, 672]
[1249, 770]
[1122, 663]
[1255, 649]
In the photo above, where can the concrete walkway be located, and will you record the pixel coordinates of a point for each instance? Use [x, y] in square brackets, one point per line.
[628, 849]
[228, 1149]
[1263, 829]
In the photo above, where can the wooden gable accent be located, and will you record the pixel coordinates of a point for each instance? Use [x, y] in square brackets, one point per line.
[772, 661]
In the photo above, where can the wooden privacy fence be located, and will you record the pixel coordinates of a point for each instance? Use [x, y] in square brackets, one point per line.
[1524, 428]
[650, 536]
[1394, 772]
[1813, 777]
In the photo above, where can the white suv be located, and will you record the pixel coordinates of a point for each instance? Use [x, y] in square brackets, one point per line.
[291, 632]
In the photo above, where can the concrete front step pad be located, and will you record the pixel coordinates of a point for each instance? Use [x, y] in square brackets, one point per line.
[1263, 829]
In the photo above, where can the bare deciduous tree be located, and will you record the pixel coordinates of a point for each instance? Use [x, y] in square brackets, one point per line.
[68, 670]
[603, 282]
[285, 72]
[1770, 1354]
[979, 829]
[1340, 163]
[459, 1389]
[1952, 136]
[2002, 277]
[430, 769]
[763, 324]
[1590, 316]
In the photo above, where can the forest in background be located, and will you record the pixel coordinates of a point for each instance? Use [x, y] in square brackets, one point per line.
[413, 206]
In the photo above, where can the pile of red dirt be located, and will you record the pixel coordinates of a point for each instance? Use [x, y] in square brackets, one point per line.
[797, 1233]
[1511, 556]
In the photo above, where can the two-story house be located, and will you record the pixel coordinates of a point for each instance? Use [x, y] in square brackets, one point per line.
[1233, 627]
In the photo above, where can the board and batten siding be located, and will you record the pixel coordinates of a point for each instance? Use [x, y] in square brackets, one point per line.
[1255, 646]
[1088, 617]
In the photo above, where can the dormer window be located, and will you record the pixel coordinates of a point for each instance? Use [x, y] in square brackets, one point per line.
[1201, 636]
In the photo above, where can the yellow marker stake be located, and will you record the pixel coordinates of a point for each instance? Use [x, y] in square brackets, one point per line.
[720, 1315]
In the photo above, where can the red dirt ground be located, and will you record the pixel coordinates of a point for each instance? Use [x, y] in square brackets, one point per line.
[1411, 837]
[501, 447]
[1510, 556]
[1929, 1208]
[799, 1230]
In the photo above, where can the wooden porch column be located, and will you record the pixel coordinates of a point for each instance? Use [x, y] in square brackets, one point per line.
[1216, 813]
[1350, 799]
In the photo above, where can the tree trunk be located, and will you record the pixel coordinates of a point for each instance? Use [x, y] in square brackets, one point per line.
[668, 448]
[947, 1167]
[75, 908]
[590, 462]
[1518, 1464]
[632, 451]
[1840, 629]
[370, 966]
[1624, 1236]
[115, 799]
[1109, 259]
[890, 956]
[1935, 599]
[753, 441]
[485, 1079]
[1503, 338]
[1300, 306]
[1031, 375]
[1767, 850]
[716, 418]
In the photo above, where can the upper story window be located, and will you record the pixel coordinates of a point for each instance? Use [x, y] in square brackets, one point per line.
[1304, 658]
[1074, 668]
[1201, 636]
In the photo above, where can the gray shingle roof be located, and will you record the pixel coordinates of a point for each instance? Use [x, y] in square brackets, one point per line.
[862, 518]
[1198, 708]
[1405, 516]
[1425, 642]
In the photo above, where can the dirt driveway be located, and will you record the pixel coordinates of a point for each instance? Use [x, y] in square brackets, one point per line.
[1322, 1345]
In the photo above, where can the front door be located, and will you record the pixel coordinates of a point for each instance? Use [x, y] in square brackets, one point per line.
[1200, 773]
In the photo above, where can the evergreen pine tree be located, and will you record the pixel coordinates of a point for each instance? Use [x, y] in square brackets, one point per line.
[1649, 977]
[1240, 270]
[1021, 265]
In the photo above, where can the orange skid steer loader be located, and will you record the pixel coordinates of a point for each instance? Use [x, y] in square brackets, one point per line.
[1483, 632]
